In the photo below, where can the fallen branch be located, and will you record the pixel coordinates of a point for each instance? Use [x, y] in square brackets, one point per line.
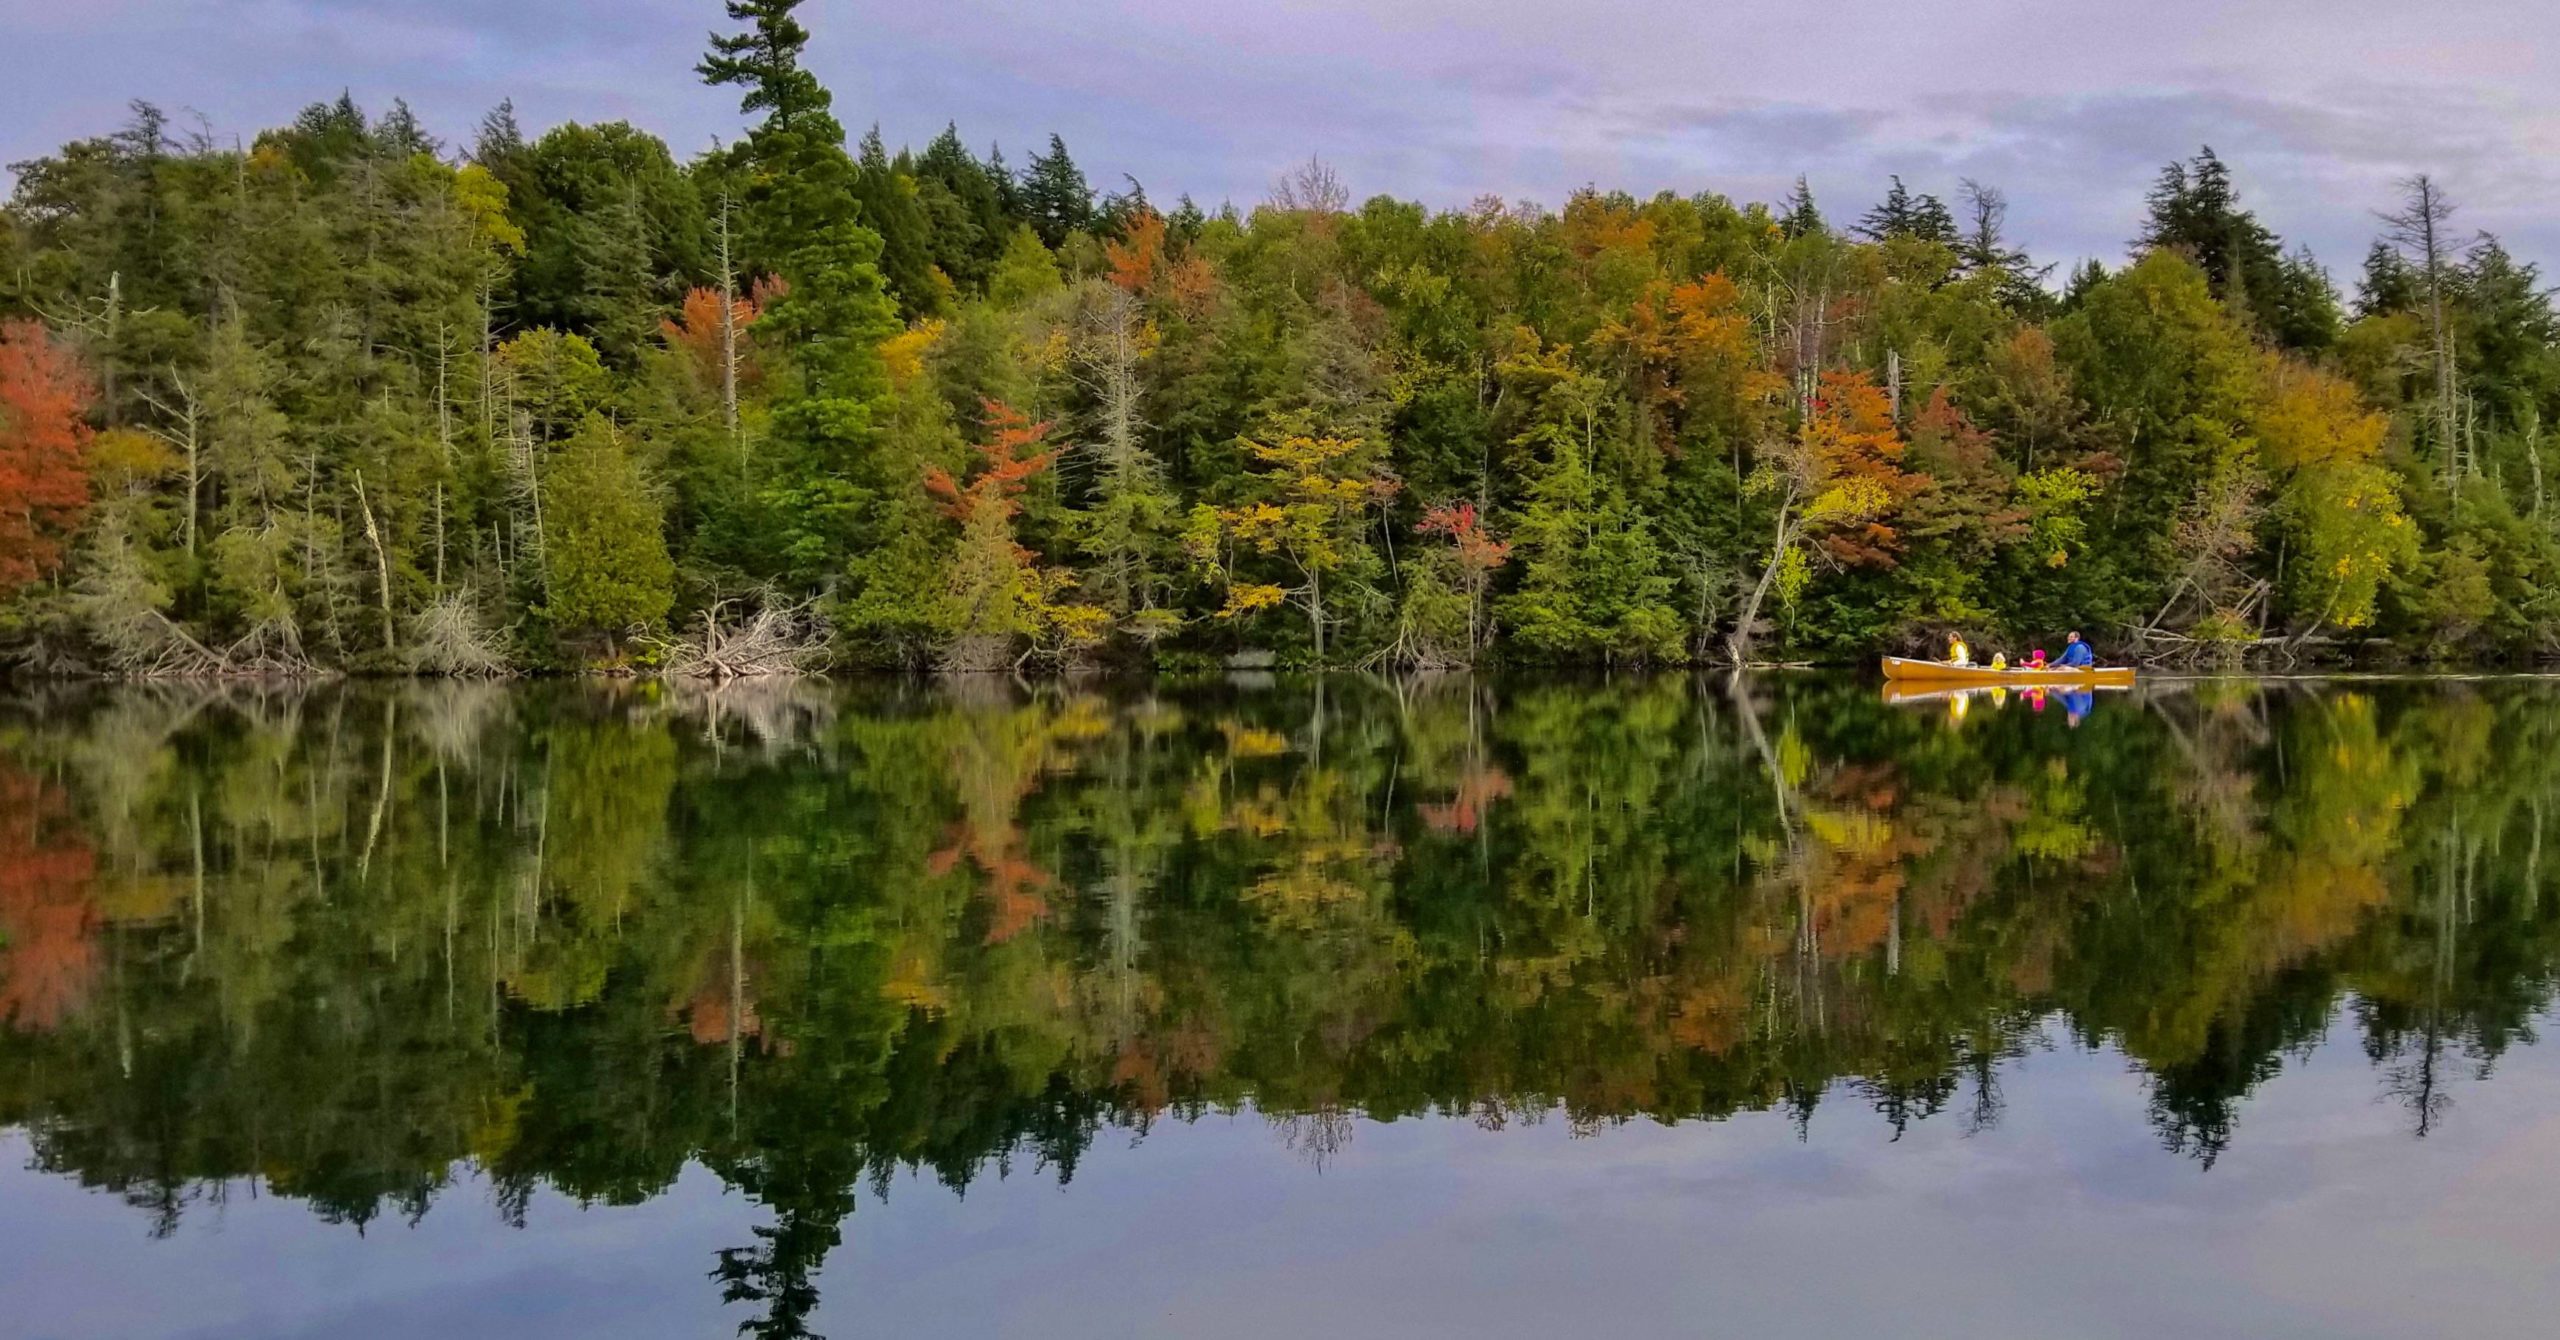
[775, 639]
[449, 638]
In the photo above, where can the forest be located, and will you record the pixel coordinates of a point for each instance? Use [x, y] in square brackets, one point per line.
[350, 398]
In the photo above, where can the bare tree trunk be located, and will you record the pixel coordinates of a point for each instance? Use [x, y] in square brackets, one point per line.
[1315, 610]
[728, 336]
[107, 356]
[1107, 353]
[444, 398]
[1741, 640]
[188, 438]
[488, 362]
[382, 564]
[533, 496]
[2533, 455]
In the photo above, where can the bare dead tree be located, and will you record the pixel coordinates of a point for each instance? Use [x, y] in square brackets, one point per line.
[185, 433]
[1108, 346]
[2418, 230]
[382, 563]
[728, 333]
[1312, 187]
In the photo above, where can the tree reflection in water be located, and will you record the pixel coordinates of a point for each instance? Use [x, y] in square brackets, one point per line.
[351, 941]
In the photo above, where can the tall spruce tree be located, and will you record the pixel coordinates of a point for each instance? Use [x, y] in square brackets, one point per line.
[892, 208]
[2195, 210]
[802, 210]
[1055, 196]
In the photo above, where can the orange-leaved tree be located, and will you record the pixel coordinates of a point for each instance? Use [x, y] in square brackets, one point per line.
[717, 346]
[999, 594]
[1839, 484]
[44, 437]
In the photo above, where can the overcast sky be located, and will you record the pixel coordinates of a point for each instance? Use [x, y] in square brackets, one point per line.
[2069, 105]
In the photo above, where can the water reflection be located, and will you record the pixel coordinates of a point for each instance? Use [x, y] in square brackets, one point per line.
[345, 945]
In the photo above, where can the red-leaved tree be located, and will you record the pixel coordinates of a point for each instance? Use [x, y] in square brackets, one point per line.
[44, 438]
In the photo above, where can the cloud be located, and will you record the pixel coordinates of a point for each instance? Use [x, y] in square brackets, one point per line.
[2319, 107]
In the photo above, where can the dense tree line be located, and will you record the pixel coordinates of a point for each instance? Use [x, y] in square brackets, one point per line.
[582, 936]
[346, 396]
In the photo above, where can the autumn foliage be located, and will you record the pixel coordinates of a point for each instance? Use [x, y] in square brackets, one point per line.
[44, 435]
[1012, 463]
[695, 332]
[48, 923]
[1857, 451]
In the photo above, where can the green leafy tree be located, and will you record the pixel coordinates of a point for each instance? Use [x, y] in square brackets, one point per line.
[609, 573]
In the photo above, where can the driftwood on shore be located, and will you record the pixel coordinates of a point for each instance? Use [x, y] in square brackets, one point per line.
[450, 639]
[745, 639]
[155, 647]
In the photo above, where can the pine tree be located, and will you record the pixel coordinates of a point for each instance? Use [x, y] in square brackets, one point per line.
[2195, 211]
[2386, 285]
[828, 324]
[1891, 217]
[1055, 196]
[970, 232]
[1800, 216]
[1593, 581]
[892, 208]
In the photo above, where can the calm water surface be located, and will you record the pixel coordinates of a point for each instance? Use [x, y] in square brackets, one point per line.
[1455, 1008]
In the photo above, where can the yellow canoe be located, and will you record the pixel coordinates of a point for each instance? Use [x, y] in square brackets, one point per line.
[1909, 691]
[1938, 674]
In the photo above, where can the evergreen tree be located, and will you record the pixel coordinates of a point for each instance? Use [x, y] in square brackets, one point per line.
[1593, 583]
[607, 558]
[803, 211]
[1055, 196]
[1800, 218]
[2386, 285]
[614, 231]
[966, 202]
[1923, 218]
[893, 208]
[2195, 211]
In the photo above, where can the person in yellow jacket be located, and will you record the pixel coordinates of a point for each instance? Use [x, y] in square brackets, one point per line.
[1957, 652]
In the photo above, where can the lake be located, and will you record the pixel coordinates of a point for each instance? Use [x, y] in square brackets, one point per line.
[1278, 1007]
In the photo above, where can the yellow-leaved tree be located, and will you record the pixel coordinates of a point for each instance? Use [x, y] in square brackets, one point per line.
[2344, 531]
[1302, 540]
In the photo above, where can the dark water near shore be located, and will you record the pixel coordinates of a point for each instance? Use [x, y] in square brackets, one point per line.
[1481, 1008]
